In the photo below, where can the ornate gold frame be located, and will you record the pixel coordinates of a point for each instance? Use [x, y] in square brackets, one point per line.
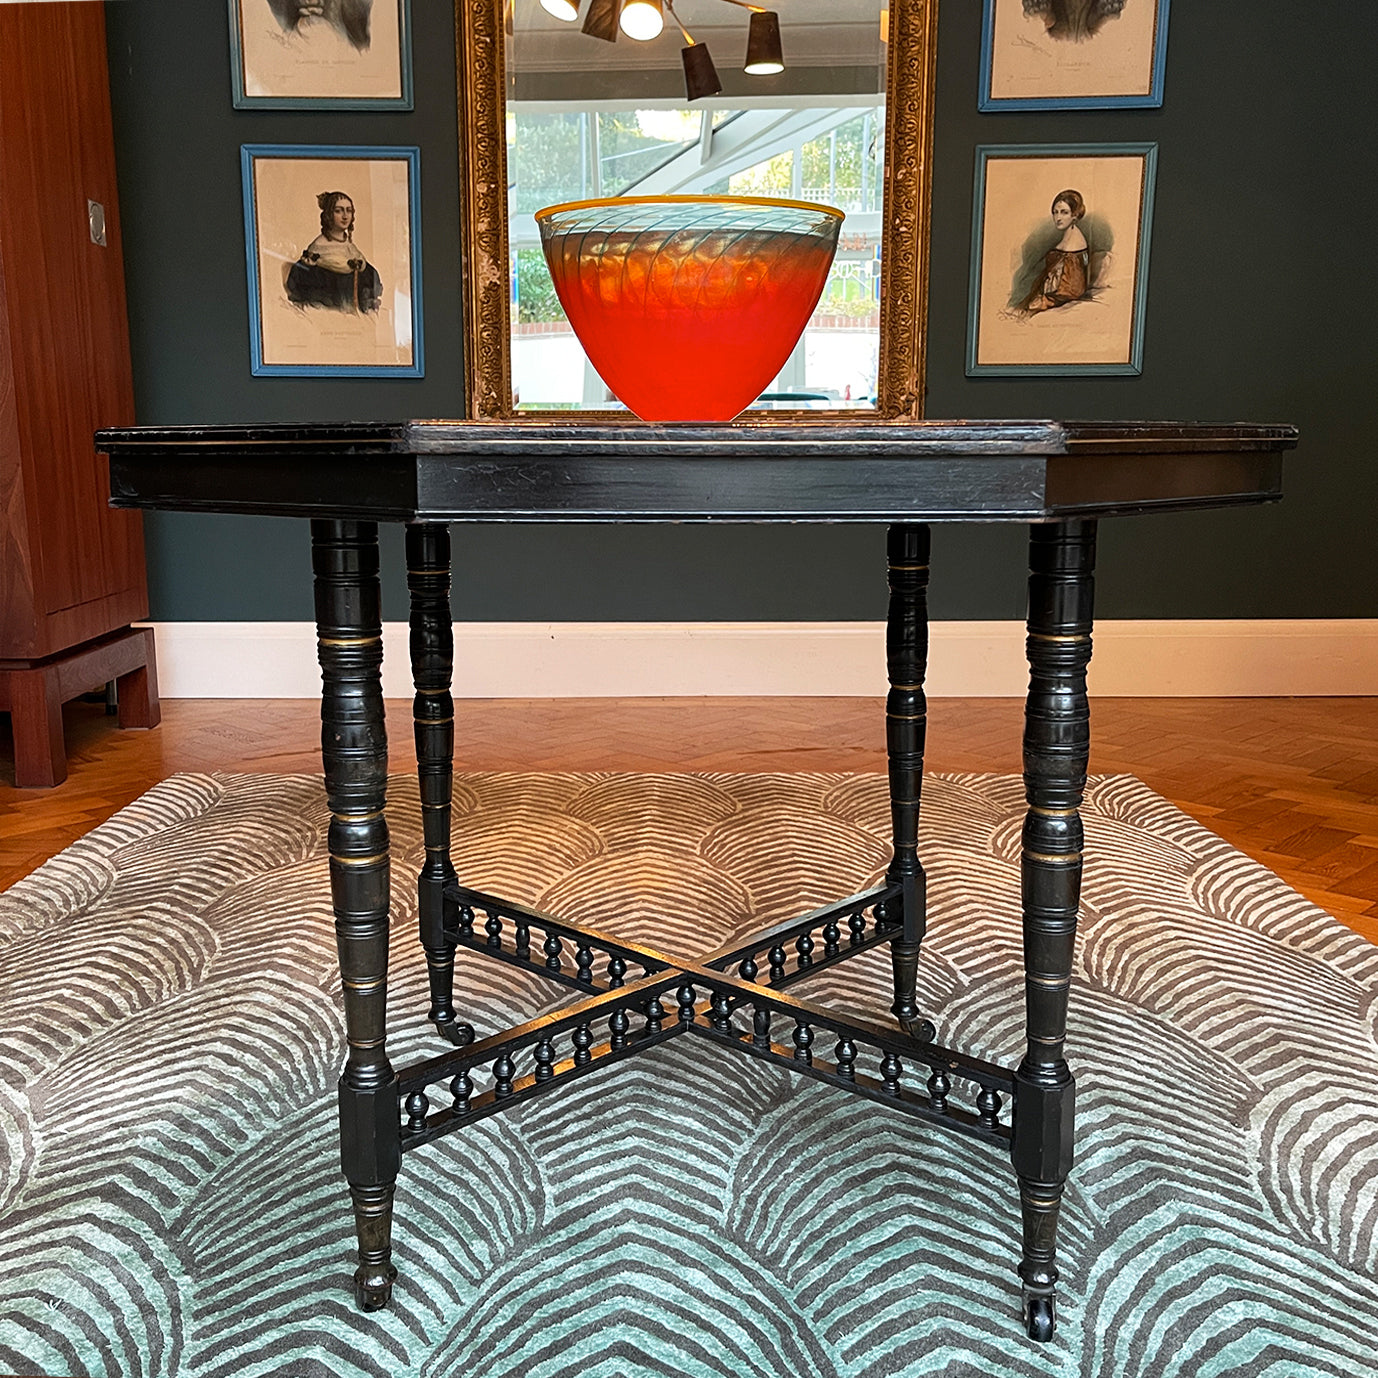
[913, 35]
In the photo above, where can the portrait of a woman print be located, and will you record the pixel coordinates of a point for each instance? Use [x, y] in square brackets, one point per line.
[332, 272]
[1066, 272]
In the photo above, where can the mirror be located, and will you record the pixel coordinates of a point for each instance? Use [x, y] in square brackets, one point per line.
[551, 113]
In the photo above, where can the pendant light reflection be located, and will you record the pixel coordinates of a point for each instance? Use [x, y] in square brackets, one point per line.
[700, 76]
[642, 19]
[600, 19]
[764, 55]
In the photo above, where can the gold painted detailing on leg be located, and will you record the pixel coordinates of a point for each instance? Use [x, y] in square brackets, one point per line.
[1047, 1039]
[365, 1043]
[1058, 636]
[349, 640]
[432, 722]
[1048, 982]
[1053, 813]
[1048, 859]
[363, 987]
[357, 817]
[432, 691]
[359, 860]
[916, 569]
[907, 717]
[907, 688]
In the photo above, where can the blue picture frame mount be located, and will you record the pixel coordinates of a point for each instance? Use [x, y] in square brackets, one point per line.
[991, 104]
[405, 100]
[366, 153]
[984, 154]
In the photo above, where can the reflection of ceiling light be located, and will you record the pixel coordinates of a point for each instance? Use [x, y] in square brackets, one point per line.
[700, 76]
[561, 9]
[645, 19]
[642, 19]
[764, 56]
[600, 19]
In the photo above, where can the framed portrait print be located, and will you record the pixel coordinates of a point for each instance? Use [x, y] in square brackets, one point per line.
[334, 255]
[309, 54]
[1072, 54]
[1059, 258]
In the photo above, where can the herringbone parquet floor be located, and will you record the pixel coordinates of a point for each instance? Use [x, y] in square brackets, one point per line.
[1292, 782]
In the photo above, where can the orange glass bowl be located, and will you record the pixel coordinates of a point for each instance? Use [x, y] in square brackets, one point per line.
[688, 306]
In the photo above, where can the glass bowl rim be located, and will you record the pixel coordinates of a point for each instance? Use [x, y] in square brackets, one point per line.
[775, 202]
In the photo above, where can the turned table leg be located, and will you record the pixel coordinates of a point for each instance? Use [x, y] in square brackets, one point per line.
[1057, 739]
[354, 750]
[906, 718]
[433, 712]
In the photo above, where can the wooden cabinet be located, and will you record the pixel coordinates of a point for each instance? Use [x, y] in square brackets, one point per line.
[71, 569]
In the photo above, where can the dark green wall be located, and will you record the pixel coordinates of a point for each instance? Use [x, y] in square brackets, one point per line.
[1259, 308]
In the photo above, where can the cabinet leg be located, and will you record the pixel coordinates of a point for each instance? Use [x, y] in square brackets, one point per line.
[906, 719]
[433, 712]
[1057, 740]
[354, 751]
[40, 754]
[136, 691]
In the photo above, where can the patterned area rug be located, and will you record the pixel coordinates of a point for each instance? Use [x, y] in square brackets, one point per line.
[170, 1035]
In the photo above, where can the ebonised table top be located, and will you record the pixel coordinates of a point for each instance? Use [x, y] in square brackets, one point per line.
[743, 471]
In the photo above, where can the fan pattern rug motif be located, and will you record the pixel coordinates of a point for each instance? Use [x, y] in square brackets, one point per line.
[170, 1035]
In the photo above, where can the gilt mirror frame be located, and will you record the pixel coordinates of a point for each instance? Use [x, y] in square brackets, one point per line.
[909, 94]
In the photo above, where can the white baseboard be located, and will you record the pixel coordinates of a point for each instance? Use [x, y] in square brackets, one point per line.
[1248, 659]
